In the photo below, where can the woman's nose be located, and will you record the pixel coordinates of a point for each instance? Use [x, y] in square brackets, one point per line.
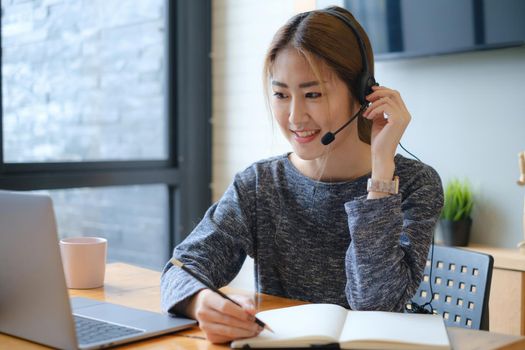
[297, 114]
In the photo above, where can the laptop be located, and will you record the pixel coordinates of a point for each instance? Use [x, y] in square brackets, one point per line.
[34, 301]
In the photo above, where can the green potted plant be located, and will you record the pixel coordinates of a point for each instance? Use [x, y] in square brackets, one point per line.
[455, 220]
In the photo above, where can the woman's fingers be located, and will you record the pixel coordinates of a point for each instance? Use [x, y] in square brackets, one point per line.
[219, 333]
[220, 328]
[227, 307]
[382, 92]
[247, 303]
[239, 316]
[392, 124]
[395, 107]
[222, 320]
[213, 316]
[380, 106]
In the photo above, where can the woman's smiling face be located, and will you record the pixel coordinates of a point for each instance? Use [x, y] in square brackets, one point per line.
[304, 109]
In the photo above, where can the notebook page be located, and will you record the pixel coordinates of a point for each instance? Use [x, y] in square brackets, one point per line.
[311, 321]
[428, 330]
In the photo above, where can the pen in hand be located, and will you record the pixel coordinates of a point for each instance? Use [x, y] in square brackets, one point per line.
[209, 286]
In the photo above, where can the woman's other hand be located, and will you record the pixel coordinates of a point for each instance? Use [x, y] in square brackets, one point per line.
[390, 118]
[220, 319]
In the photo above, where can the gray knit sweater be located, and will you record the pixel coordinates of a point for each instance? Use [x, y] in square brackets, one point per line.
[314, 241]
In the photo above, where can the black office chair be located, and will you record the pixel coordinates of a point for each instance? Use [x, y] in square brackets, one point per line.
[460, 286]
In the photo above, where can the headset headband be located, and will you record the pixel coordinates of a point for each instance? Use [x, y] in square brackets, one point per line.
[364, 58]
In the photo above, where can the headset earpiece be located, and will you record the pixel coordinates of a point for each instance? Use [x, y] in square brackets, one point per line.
[365, 81]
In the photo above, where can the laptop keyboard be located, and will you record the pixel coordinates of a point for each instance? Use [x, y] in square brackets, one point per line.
[94, 331]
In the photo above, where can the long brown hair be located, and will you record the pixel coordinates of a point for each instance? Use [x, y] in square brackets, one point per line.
[319, 35]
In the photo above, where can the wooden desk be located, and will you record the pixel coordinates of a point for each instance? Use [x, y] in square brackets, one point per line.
[138, 287]
[507, 291]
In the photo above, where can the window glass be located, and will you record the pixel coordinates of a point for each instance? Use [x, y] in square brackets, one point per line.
[83, 80]
[134, 220]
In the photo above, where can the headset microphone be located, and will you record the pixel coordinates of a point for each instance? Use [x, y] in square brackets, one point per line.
[330, 136]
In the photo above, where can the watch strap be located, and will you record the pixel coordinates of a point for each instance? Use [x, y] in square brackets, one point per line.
[391, 187]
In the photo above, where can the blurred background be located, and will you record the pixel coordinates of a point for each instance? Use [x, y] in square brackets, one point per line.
[136, 114]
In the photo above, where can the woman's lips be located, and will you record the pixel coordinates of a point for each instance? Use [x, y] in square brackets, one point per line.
[305, 136]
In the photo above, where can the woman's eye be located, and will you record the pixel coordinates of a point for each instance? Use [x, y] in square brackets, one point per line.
[279, 95]
[313, 94]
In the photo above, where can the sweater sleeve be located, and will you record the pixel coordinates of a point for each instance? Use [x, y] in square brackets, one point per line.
[390, 240]
[215, 249]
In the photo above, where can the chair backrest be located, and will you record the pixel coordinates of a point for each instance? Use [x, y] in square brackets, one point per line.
[460, 286]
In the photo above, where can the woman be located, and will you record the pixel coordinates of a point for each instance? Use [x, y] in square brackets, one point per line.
[316, 231]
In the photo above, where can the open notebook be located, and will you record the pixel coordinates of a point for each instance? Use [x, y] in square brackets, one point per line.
[316, 324]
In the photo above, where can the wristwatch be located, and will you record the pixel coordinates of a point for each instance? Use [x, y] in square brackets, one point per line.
[391, 187]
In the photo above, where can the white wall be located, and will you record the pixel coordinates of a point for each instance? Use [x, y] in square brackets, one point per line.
[242, 126]
[469, 121]
[468, 113]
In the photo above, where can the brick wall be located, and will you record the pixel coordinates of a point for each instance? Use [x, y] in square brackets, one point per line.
[83, 80]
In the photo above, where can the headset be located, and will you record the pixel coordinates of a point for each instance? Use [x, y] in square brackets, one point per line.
[365, 81]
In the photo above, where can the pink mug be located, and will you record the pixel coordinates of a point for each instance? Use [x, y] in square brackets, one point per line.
[84, 260]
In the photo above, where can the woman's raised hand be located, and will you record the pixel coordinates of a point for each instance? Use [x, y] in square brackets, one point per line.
[390, 118]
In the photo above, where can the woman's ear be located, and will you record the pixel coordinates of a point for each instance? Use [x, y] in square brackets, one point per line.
[364, 129]
[364, 126]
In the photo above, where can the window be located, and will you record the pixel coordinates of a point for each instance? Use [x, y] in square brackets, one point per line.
[84, 81]
[94, 113]
[134, 220]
